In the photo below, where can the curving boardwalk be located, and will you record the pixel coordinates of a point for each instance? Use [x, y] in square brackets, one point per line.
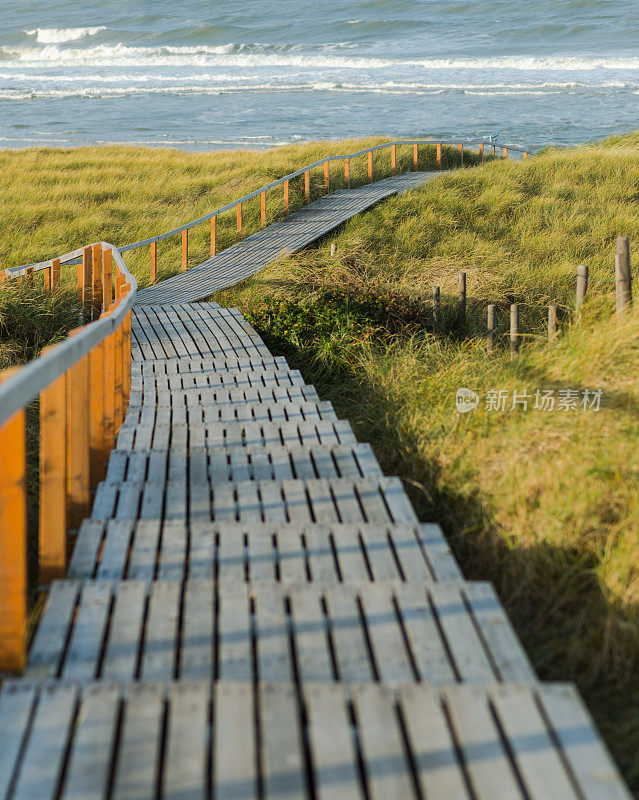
[253, 610]
[293, 233]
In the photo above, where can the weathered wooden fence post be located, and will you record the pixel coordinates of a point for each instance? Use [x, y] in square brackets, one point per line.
[436, 307]
[461, 311]
[582, 287]
[490, 336]
[514, 330]
[623, 277]
[552, 323]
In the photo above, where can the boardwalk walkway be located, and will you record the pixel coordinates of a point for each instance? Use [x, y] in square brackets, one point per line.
[254, 611]
[288, 236]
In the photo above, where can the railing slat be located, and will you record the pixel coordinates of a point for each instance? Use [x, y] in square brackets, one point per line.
[78, 442]
[13, 543]
[213, 249]
[53, 481]
[185, 251]
[96, 415]
[97, 280]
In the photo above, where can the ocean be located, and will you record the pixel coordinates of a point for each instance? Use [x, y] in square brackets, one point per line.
[199, 75]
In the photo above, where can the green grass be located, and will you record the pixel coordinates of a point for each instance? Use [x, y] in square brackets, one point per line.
[543, 504]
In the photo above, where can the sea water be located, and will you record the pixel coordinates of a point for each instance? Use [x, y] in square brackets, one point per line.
[200, 75]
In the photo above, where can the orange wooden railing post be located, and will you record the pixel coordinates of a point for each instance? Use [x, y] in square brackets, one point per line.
[239, 218]
[185, 250]
[286, 197]
[78, 442]
[439, 156]
[154, 262]
[109, 394]
[85, 278]
[127, 360]
[46, 274]
[525, 155]
[393, 158]
[505, 152]
[327, 177]
[263, 208]
[347, 172]
[307, 187]
[481, 153]
[119, 283]
[97, 280]
[370, 167]
[415, 157]
[96, 415]
[494, 150]
[13, 543]
[53, 481]
[213, 235]
[461, 154]
[117, 383]
[55, 273]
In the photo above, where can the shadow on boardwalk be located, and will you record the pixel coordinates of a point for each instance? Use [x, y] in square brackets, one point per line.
[552, 594]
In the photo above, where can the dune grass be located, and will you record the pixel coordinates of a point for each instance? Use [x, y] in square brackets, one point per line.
[543, 503]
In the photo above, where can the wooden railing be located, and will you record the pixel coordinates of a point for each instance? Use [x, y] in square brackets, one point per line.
[52, 272]
[83, 385]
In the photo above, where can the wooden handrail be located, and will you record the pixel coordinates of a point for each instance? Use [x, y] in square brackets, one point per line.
[83, 384]
[73, 257]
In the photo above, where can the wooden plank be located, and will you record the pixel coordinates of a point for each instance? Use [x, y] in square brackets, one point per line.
[351, 652]
[140, 738]
[89, 768]
[234, 634]
[54, 628]
[532, 748]
[43, 758]
[281, 752]
[596, 772]
[384, 759]
[234, 746]
[272, 635]
[501, 641]
[379, 554]
[384, 634]
[471, 661]
[437, 768]
[310, 634]
[159, 657]
[142, 562]
[187, 742]
[487, 763]
[16, 702]
[87, 547]
[125, 633]
[331, 745]
[85, 646]
[319, 552]
[198, 620]
[422, 632]
[116, 549]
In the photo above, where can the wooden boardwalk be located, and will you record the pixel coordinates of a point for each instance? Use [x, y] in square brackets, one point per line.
[253, 610]
[288, 236]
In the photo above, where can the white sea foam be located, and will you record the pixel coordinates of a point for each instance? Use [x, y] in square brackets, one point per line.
[61, 35]
[289, 56]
